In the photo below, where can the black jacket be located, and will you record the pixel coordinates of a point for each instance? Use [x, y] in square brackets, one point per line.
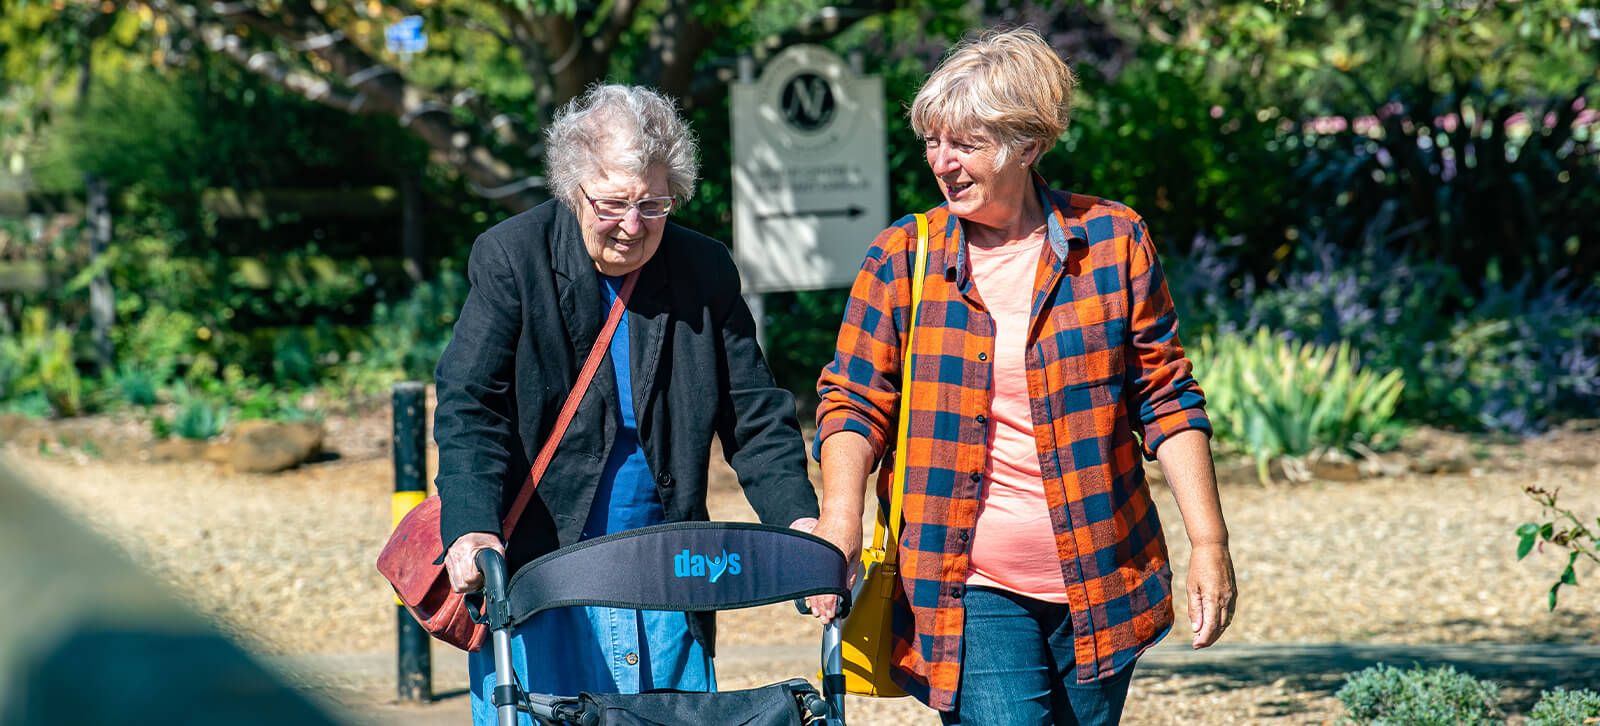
[530, 319]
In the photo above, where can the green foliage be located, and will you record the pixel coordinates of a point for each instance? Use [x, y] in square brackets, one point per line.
[408, 336]
[42, 360]
[136, 385]
[28, 405]
[198, 417]
[1297, 61]
[801, 333]
[1497, 187]
[211, 125]
[257, 400]
[1201, 131]
[1562, 528]
[1269, 397]
[1519, 358]
[1561, 707]
[1387, 696]
[1515, 358]
[10, 366]
[1192, 161]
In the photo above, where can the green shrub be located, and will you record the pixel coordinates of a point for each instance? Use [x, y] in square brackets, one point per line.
[199, 418]
[1562, 707]
[1269, 397]
[1387, 696]
[1485, 181]
[136, 385]
[409, 335]
[256, 400]
[28, 405]
[1519, 359]
[10, 367]
[155, 341]
[41, 360]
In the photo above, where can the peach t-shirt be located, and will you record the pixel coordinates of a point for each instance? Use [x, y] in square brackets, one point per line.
[1013, 544]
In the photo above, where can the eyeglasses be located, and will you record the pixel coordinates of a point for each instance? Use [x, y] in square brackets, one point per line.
[615, 209]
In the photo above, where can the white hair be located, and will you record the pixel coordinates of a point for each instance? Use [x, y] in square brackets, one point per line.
[613, 127]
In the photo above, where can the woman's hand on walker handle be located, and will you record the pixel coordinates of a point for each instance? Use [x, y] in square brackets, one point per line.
[461, 563]
[841, 532]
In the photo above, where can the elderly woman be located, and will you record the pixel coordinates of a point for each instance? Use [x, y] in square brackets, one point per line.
[1033, 572]
[682, 365]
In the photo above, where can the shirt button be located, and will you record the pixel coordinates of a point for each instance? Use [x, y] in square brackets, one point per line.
[955, 592]
[983, 356]
[976, 476]
[632, 658]
[982, 419]
[964, 536]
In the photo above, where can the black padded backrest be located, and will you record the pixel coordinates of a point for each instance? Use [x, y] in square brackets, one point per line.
[688, 566]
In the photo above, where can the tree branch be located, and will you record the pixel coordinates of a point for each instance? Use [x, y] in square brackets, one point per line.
[676, 43]
[708, 85]
[373, 88]
[530, 41]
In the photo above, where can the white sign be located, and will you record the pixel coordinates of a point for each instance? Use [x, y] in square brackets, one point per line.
[810, 173]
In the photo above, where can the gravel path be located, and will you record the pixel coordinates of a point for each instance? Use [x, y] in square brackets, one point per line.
[284, 563]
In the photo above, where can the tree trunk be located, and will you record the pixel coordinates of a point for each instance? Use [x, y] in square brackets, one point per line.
[102, 301]
[411, 226]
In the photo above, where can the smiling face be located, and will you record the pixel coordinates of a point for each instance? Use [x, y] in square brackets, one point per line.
[978, 187]
[620, 246]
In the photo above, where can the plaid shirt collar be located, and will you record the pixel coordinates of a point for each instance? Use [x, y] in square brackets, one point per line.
[1062, 230]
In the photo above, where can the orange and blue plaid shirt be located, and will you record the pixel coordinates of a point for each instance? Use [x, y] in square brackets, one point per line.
[1105, 373]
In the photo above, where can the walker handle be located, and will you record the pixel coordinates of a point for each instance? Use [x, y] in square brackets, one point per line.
[495, 608]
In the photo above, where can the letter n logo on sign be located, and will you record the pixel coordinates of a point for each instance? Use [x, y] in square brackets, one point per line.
[808, 102]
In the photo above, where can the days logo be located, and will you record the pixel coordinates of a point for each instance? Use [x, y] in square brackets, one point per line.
[686, 564]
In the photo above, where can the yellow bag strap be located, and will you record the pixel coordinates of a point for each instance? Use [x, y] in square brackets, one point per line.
[898, 483]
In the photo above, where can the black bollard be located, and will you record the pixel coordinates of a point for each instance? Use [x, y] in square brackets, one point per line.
[410, 488]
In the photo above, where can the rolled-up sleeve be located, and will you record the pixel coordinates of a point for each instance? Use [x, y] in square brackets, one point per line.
[1163, 394]
[859, 390]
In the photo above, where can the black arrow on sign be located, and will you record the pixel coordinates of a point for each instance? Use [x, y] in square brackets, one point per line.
[851, 212]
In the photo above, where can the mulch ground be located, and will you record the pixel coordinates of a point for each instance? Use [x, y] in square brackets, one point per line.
[284, 562]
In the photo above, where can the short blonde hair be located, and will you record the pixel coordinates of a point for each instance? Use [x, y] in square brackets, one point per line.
[614, 127]
[1007, 83]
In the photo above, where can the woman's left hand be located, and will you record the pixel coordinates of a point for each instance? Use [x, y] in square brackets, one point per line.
[1211, 592]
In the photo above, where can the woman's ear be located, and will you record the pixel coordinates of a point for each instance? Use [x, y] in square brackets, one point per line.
[1030, 154]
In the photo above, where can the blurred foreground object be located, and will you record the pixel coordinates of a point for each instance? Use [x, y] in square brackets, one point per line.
[90, 638]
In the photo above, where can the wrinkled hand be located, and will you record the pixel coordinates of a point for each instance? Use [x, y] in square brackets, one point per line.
[841, 532]
[460, 561]
[1211, 593]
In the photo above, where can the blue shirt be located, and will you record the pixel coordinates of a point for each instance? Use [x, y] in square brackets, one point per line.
[626, 497]
[598, 649]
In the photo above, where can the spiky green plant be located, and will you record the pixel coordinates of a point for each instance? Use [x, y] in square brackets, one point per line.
[1269, 397]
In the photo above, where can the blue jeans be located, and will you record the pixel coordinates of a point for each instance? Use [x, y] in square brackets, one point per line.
[1017, 668]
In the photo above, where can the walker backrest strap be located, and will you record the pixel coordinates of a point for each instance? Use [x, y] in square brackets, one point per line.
[687, 566]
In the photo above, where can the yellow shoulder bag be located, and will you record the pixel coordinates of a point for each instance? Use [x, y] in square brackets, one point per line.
[867, 638]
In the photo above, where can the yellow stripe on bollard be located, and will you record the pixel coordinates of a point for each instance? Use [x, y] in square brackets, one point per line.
[399, 505]
[402, 503]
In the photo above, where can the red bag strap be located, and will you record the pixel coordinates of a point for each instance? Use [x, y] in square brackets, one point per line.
[547, 452]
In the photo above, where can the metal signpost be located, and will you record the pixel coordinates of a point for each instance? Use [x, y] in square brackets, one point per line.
[810, 172]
